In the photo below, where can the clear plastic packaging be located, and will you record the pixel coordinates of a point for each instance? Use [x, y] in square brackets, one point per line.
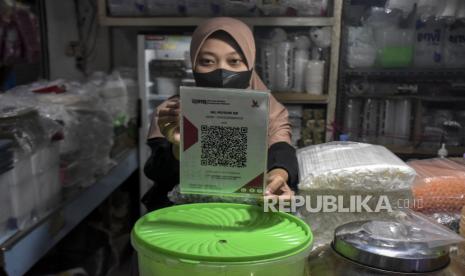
[177, 197]
[314, 77]
[241, 8]
[429, 42]
[454, 46]
[126, 7]
[406, 6]
[307, 7]
[164, 8]
[300, 62]
[352, 118]
[427, 9]
[5, 202]
[361, 47]
[403, 109]
[370, 120]
[439, 185]
[200, 7]
[46, 171]
[284, 66]
[413, 228]
[352, 166]
[321, 37]
[268, 59]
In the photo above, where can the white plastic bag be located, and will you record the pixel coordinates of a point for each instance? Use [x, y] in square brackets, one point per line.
[352, 166]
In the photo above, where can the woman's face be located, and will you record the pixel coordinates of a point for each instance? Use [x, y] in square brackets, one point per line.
[220, 53]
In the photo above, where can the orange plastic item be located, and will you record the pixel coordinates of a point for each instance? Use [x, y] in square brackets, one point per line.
[439, 185]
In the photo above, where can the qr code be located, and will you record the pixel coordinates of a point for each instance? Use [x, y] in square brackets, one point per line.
[223, 146]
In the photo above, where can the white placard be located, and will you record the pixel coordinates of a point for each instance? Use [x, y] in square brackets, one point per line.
[224, 135]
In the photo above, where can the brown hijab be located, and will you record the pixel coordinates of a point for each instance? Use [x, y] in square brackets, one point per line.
[279, 129]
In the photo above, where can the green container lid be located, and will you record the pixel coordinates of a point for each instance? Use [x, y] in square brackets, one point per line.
[221, 232]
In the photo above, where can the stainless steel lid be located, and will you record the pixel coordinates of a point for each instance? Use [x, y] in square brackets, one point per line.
[383, 245]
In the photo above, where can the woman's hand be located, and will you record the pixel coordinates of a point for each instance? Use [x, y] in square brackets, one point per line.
[277, 185]
[168, 121]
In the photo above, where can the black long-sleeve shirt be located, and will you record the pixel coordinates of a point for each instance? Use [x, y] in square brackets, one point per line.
[163, 168]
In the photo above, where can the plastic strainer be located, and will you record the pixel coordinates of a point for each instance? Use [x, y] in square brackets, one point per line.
[220, 239]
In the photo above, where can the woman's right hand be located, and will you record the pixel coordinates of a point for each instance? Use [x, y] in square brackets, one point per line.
[168, 121]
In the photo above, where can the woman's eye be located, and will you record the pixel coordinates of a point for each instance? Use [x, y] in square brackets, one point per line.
[235, 61]
[205, 61]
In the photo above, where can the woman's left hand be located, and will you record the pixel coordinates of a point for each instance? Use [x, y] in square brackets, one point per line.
[277, 185]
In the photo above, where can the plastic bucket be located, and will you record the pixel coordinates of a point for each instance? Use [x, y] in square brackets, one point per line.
[221, 239]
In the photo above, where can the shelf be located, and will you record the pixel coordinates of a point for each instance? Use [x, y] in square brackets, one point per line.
[154, 97]
[408, 74]
[194, 21]
[300, 98]
[438, 98]
[411, 150]
[24, 249]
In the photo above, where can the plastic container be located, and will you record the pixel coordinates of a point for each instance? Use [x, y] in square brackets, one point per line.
[6, 179]
[209, 239]
[429, 39]
[352, 119]
[23, 194]
[164, 8]
[126, 8]
[454, 46]
[395, 47]
[46, 171]
[314, 77]
[284, 66]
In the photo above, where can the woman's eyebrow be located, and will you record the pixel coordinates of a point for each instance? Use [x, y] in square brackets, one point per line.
[207, 53]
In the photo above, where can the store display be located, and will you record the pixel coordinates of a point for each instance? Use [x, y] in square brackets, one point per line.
[239, 120]
[352, 166]
[406, 243]
[439, 185]
[430, 38]
[244, 241]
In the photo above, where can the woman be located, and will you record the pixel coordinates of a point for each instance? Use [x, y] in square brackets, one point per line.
[223, 55]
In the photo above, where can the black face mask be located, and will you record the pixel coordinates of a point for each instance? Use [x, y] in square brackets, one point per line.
[222, 78]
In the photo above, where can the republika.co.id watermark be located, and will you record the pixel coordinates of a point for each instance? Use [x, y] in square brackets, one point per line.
[340, 204]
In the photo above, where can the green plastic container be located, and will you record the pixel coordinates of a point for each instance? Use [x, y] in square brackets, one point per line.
[211, 239]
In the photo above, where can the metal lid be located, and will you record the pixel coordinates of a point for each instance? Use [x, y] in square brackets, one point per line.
[221, 232]
[377, 244]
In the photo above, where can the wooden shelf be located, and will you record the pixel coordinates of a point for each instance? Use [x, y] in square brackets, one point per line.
[194, 21]
[300, 98]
